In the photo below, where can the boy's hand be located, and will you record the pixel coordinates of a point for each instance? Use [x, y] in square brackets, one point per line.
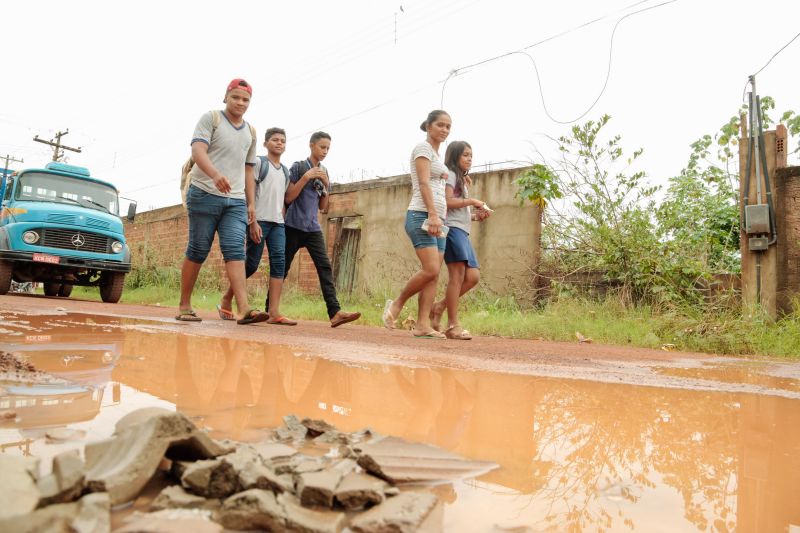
[222, 184]
[255, 232]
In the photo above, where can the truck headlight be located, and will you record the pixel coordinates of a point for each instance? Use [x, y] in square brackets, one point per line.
[30, 237]
[117, 247]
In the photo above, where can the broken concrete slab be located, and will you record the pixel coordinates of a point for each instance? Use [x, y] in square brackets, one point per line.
[404, 513]
[357, 491]
[65, 483]
[399, 461]
[56, 435]
[171, 521]
[298, 518]
[90, 514]
[19, 494]
[316, 489]
[252, 509]
[175, 497]
[211, 478]
[262, 477]
[316, 427]
[269, 451]
[123, 464]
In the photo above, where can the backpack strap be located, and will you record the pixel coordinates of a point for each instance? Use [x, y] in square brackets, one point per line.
[286, 174]
[263, 170]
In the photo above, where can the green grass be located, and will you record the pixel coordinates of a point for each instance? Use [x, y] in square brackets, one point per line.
[605, 322]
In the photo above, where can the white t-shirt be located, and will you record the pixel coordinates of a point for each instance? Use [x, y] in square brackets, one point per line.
[270, 193]
[437, 180]
[229, 150]
[460, 217]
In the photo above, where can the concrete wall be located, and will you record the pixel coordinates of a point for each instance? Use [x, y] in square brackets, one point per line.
[505, 244]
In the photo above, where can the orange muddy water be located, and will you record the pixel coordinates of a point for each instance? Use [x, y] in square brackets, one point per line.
[573, 454]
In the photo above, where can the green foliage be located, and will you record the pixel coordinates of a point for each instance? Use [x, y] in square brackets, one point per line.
[538, 185]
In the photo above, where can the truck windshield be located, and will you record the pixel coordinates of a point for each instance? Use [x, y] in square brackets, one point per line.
[41, 187]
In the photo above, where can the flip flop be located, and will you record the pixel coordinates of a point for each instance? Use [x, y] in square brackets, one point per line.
[458, 333]
[252, 317]
[282, 321]
[188, 316]
[387, 317]
[225, 314]
[432, 334]
[344, 318]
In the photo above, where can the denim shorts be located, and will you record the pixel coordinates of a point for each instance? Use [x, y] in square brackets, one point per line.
[420, 238]
[274, 236]
[210, 214]
[459, 249]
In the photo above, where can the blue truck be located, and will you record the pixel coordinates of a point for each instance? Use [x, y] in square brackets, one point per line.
[60, 226]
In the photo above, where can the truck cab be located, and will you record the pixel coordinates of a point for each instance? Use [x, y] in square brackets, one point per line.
[60, 226]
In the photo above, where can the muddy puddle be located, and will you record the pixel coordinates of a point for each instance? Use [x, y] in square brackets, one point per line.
[573, 454]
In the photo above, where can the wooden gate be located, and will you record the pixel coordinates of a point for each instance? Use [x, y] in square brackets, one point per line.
[347, 233]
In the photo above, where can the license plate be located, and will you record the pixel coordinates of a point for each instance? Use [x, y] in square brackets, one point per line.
[44, 258]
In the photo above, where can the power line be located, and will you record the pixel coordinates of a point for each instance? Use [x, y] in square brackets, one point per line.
[776, 53]
[521, 51]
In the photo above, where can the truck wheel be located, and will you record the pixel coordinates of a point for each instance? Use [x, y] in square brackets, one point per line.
[51, 289]
[5, 276]
[111, 286]
[65, 290]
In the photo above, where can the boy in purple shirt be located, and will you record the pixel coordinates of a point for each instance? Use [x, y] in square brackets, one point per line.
[306, 196]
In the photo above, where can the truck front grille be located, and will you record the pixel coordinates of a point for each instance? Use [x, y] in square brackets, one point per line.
[80, 241]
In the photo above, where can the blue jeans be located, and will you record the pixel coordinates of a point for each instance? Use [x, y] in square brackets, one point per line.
[420, 238]
[274, 235]
[210, 214]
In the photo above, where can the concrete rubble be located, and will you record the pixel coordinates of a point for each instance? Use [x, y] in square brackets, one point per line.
[206, 485]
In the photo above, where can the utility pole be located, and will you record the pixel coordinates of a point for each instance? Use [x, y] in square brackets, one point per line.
[9, 159]
[58, 148]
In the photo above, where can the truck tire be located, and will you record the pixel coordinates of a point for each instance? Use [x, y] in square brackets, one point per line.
[111, 286]
[5, 276]
[51, 289]
[65, 290]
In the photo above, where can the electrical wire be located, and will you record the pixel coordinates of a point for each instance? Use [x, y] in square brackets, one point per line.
[536, 69]
[775, 54]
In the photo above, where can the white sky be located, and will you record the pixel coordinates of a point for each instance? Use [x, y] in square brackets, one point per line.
[131, 79]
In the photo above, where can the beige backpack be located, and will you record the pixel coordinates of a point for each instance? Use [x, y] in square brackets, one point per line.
[216, 117]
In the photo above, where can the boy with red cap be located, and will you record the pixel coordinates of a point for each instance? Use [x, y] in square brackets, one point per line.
[220, 198]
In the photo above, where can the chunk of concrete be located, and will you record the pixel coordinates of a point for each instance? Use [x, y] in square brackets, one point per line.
[316, 427]
[298, 518]
[262, 477]
[316, 489]
[123, 464]
[212, 478]
[175, 497]
[65, 483]
[357, 491]
[270, 451]
[242, 458]
[399, 461]
[252, 509]
[171, 521]
[90, 514]
[19, 494]
[405, 513]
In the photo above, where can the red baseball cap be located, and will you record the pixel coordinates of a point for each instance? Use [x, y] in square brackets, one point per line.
[239, 83]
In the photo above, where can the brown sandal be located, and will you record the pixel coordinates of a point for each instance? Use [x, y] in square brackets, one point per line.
[457, 333]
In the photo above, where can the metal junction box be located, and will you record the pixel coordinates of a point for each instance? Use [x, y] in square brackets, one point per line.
[758, 244]
[756, 219]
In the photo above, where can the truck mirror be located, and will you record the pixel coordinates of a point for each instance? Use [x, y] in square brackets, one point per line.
[131, 211]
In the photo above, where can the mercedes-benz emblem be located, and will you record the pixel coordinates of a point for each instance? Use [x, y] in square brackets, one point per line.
[78, 240]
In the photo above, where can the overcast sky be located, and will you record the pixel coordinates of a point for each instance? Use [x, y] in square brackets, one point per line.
[130, 80]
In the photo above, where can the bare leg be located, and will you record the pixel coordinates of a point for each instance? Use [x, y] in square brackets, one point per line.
[235, 271]
[189, 272]
[431, 261]
[227, 299]
[275, 287]
[426, 296]
[465, 279]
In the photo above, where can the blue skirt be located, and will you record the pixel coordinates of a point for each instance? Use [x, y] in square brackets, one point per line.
[459, 248]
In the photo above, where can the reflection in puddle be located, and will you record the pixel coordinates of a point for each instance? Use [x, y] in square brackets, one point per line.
[574, 455]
